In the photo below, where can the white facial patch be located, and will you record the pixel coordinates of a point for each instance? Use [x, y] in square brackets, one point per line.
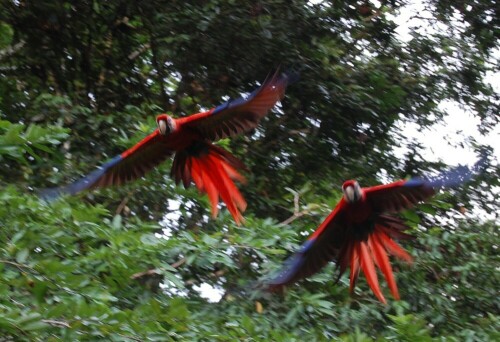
[172, 124]
[349, 193]
[162, 127]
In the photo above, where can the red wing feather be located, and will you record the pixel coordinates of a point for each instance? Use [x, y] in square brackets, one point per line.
[404, 194]
[135, 162]
[323, 246]
[397, 196]
[130, 165]
[239, 115]
[336, 239]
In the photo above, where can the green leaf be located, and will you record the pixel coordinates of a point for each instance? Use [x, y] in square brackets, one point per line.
[22, 255]
[39, 325]
[117, 222]
[6, 35]
[150, 239]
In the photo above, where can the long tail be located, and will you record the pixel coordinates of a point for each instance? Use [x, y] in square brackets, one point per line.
[213, 170]
[373, 252]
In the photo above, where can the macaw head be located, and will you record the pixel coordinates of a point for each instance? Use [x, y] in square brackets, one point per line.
[352, 191]
[166, 124]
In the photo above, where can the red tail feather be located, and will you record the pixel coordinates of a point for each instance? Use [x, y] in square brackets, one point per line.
[208, 185]
[196, 174]
[213, 170]
[225, 186]
[394, 249]
[354, 267]
[383, 262]
[366, 255]
[369, 270]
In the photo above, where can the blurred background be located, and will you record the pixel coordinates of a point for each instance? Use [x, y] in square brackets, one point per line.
[387, 90]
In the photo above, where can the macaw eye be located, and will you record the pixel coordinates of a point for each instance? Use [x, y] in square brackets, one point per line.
[162, 127]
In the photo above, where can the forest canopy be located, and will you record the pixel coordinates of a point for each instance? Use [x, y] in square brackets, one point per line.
[80, 82]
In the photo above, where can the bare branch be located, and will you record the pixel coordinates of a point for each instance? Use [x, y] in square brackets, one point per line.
[293, 218]
[130, 337]
[178, 263]
[138, 52]
[296, 211]
[56, 323]
[123, 203]
[154, 271]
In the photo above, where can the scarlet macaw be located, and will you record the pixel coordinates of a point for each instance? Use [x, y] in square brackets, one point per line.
[212, 168]
[359, 232]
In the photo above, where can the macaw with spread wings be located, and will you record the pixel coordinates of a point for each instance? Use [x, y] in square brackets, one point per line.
[196, 159]
[359, 233]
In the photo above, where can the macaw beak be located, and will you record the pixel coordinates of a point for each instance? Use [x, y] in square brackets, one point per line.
[163, 127]
[353, 193]
[350, 194]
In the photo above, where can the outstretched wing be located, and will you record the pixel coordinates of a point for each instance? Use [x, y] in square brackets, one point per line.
[399, 195]
[130, 165]
[239, 115]
[321, 247]
[406, 193]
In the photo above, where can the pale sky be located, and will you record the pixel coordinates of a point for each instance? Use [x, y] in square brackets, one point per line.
[441, 140]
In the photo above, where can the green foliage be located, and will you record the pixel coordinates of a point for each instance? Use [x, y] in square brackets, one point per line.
[410, 328]
[82, 81]
[70, 270]
[17, 141]
[6, 35]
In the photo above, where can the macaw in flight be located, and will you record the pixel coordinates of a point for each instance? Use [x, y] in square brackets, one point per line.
[359, 233]
[196, 159]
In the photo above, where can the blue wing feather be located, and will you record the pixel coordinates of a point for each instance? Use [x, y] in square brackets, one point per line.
[449, 179]
[284, 80]
[292, 265]
[81, 184]
[241, 114]
[234, 103]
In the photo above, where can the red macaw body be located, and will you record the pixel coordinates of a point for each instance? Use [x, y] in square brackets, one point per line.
[210, 167]
[359, 233]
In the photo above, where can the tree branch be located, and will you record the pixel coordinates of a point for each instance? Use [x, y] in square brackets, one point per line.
[56, 323]
[130, 337]
[137, 53]
[10, 50]
[123, 203]
[296, 211]
[154, 271]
